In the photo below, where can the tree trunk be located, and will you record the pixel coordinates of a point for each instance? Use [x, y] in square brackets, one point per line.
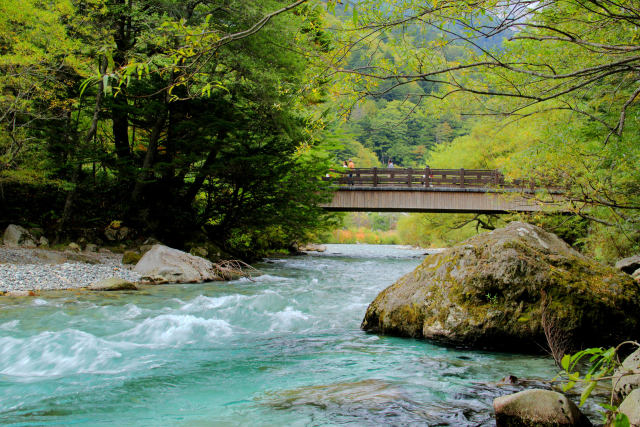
[75, 176]
[152, 149]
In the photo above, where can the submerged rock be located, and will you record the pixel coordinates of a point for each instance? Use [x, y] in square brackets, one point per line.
[487, 293]
[162, 263]
[113, 284]
[370, 392]
[540, 408]
[627, 377]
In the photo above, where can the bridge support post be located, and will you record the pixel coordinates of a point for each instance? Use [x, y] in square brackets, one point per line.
[461, 178]
[375, 177]
[409, 176]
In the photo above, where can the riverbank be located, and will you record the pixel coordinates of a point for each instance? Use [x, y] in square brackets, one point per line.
[24, 270]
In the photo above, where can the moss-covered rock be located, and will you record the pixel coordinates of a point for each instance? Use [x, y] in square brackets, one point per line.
[487, 293]
[131, 257]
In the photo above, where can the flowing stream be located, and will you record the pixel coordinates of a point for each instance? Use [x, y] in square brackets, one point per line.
[283, 349]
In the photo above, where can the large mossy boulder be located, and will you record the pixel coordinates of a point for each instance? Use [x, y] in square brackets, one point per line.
[493, 290]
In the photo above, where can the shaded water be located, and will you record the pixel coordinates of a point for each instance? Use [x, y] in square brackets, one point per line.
[285, 349]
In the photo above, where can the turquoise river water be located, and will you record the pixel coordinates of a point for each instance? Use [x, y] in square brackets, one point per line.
[283, 349]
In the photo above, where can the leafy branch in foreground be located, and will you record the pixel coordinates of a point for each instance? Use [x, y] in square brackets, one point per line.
[600, 364]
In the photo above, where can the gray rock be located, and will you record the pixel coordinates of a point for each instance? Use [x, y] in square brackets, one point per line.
[16, 236]
[104, 251]
[624, 379]
[91, 247]
[43, 242]
[540, 408]
[487, 293]
[630, 406]
[113, 284]
[629, 265]
[73, 247]
[175, 266]
[312, 247]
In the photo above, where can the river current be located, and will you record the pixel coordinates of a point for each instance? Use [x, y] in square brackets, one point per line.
[282, 349]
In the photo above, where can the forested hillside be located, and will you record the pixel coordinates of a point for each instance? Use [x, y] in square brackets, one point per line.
[545, 91]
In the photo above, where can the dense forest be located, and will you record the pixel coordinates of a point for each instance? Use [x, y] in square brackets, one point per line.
[164, 116]
[213, 120]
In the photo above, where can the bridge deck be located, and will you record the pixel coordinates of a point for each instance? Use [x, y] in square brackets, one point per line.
[435, 190]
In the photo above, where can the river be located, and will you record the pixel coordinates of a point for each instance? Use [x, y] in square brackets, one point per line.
[282, 349]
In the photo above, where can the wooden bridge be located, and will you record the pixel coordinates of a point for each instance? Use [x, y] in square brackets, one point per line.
[434, 190]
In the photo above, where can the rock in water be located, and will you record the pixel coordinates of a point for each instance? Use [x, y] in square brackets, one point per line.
[540, 408]
[175, 266]
[112, 284]
[487, 293]
[16, 236]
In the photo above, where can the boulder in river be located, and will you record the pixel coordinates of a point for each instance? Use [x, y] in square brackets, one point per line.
[629, 265]
[17, 236]
[488, 292]
[175, 266]
[540, 408]
[627, 377]
[113, 284]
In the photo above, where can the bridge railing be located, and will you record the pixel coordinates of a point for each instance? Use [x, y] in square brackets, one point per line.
[427, 177]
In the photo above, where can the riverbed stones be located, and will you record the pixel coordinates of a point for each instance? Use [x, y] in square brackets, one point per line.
[17, 236]
[487, 293]
[629, 265]
[627, 377]
[162, 263]
[112, 284]
[540, 408]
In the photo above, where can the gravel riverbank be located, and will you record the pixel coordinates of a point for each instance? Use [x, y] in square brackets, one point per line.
[40, 269]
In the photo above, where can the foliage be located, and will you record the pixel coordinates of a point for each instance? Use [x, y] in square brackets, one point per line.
[188, 120]
[600, 364]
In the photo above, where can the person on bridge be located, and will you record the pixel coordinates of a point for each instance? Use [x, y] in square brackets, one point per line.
[390, 164]
[352, 166]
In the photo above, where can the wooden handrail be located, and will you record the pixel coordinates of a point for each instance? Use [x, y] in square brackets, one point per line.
[400, 177]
